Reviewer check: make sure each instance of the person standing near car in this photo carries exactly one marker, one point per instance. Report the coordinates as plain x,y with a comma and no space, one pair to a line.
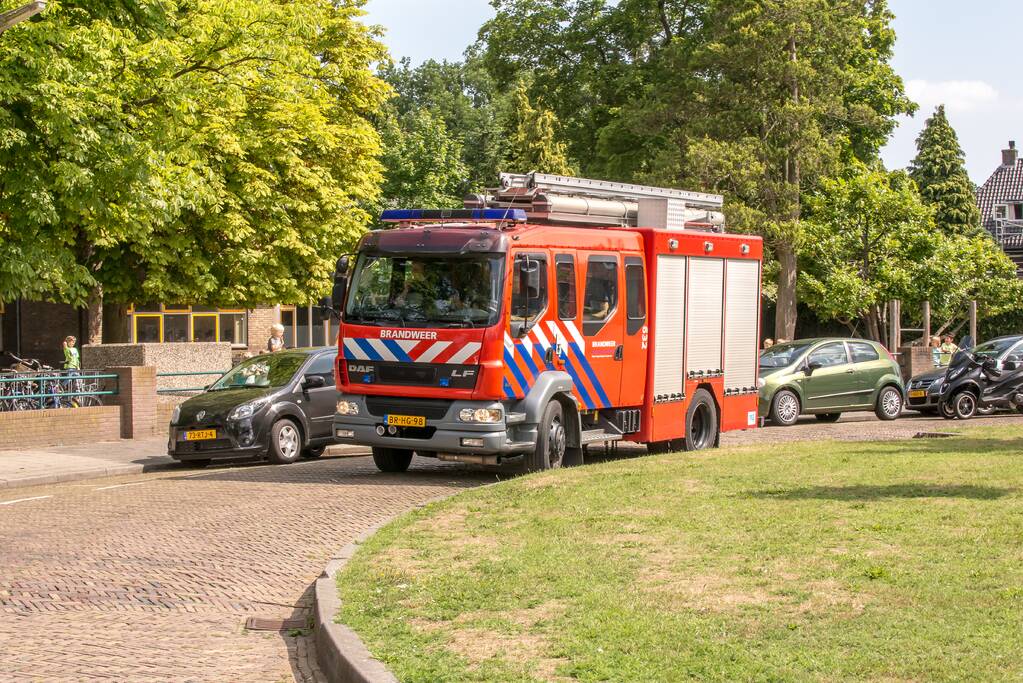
72,361
935,347
276,340
948,348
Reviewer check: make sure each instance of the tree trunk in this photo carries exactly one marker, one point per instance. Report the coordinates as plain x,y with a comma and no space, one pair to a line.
785,315
873,328
94,316
115,324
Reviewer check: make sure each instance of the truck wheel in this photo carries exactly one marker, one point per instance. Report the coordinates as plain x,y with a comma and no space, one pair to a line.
391,459
965,405
828,417
285,442
551,441
785,408
889,403
702,428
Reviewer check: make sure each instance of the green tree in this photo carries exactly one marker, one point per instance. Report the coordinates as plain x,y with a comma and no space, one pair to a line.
533,140
213,151
422,162
870,238
940,172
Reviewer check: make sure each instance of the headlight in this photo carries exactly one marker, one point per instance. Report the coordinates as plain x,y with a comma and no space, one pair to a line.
347,408
246,410
480,415
175,414
761,382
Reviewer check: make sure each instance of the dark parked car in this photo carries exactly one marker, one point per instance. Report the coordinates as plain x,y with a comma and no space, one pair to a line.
278,406
924,390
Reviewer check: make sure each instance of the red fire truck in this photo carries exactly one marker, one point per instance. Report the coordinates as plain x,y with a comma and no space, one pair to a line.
552,314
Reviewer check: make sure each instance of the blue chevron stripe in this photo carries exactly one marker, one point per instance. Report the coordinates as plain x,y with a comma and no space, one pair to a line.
528,358
592,375
513,366
508,391
365,346
398,352
579,384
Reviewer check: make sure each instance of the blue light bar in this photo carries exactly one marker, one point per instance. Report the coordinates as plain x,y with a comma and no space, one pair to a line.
405,215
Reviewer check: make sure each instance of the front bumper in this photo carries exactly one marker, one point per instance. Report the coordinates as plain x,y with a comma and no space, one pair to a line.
441,435
229,443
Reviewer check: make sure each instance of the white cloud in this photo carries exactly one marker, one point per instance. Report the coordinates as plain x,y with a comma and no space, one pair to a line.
957,96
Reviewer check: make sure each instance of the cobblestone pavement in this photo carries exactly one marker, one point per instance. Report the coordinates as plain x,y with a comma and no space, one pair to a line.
151,577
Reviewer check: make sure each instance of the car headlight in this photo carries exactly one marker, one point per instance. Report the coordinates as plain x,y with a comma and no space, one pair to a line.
175,414
246,410
761,382
480,415
347,408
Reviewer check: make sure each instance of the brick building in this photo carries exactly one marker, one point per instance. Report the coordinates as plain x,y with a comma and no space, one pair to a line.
1001,205
35,329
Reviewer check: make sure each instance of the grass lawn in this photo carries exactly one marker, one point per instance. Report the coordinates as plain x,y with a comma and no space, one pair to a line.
881,561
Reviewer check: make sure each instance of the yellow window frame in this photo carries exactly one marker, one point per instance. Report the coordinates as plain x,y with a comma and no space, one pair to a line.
135,325
216,324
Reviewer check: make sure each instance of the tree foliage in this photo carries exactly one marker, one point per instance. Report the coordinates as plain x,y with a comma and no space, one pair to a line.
185,150
532,139
939,170
871,239
422,162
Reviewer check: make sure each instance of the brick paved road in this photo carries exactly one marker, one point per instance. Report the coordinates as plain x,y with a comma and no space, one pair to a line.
151,577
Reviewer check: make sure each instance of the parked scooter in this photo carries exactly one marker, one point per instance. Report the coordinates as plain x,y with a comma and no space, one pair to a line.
974,383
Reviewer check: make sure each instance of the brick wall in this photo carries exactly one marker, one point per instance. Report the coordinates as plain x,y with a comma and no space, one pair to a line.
260,320
59,427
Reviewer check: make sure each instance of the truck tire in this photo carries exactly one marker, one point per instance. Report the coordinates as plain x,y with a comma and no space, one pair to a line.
391,459
285,442
551,442
702,427
785,408
889,403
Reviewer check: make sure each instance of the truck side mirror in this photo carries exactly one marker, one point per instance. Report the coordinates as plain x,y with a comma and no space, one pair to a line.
340,289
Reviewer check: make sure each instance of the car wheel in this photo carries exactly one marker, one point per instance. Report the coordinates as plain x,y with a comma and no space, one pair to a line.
785,408
986,410
285,442
551,441
965,405
947,411
889,403
828,417
391,459
313,452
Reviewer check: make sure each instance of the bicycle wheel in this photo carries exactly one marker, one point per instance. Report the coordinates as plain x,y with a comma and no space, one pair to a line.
87,401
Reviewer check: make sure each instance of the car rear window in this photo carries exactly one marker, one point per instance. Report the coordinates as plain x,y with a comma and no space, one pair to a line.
863,352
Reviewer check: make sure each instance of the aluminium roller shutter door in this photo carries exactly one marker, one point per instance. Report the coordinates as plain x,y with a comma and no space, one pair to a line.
669,328
706,297
742,322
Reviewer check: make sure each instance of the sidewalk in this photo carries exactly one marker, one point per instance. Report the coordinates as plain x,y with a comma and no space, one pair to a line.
36,466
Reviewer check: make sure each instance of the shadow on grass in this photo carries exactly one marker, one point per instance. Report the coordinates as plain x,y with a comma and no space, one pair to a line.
867,492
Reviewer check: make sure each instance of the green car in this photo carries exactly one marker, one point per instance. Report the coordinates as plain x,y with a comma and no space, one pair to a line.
827,377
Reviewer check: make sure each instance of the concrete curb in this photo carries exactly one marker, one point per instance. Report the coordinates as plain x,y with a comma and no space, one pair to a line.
98,473
341,654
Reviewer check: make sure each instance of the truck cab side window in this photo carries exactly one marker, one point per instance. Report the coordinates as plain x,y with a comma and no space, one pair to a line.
635,295
529,288
601,297
565,272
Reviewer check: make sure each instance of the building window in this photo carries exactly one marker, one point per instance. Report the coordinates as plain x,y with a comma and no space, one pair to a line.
1001,211
153,324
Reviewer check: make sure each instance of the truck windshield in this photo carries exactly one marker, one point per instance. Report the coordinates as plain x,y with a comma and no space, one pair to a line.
425,291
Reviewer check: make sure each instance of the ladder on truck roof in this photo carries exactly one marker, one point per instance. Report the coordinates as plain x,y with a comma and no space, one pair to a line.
581,201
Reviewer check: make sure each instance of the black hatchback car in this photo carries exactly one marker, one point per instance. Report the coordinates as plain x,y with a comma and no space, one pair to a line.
277,406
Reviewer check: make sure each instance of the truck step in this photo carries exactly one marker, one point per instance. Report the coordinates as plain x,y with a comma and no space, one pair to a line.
515,418
589,436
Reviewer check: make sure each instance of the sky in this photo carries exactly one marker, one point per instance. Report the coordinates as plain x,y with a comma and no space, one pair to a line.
959,53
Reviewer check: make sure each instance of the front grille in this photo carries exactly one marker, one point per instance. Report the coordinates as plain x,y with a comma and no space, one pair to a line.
419,374
430,408
921,383
199,446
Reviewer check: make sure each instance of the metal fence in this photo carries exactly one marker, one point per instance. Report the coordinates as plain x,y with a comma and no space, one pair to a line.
188,390
42,389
